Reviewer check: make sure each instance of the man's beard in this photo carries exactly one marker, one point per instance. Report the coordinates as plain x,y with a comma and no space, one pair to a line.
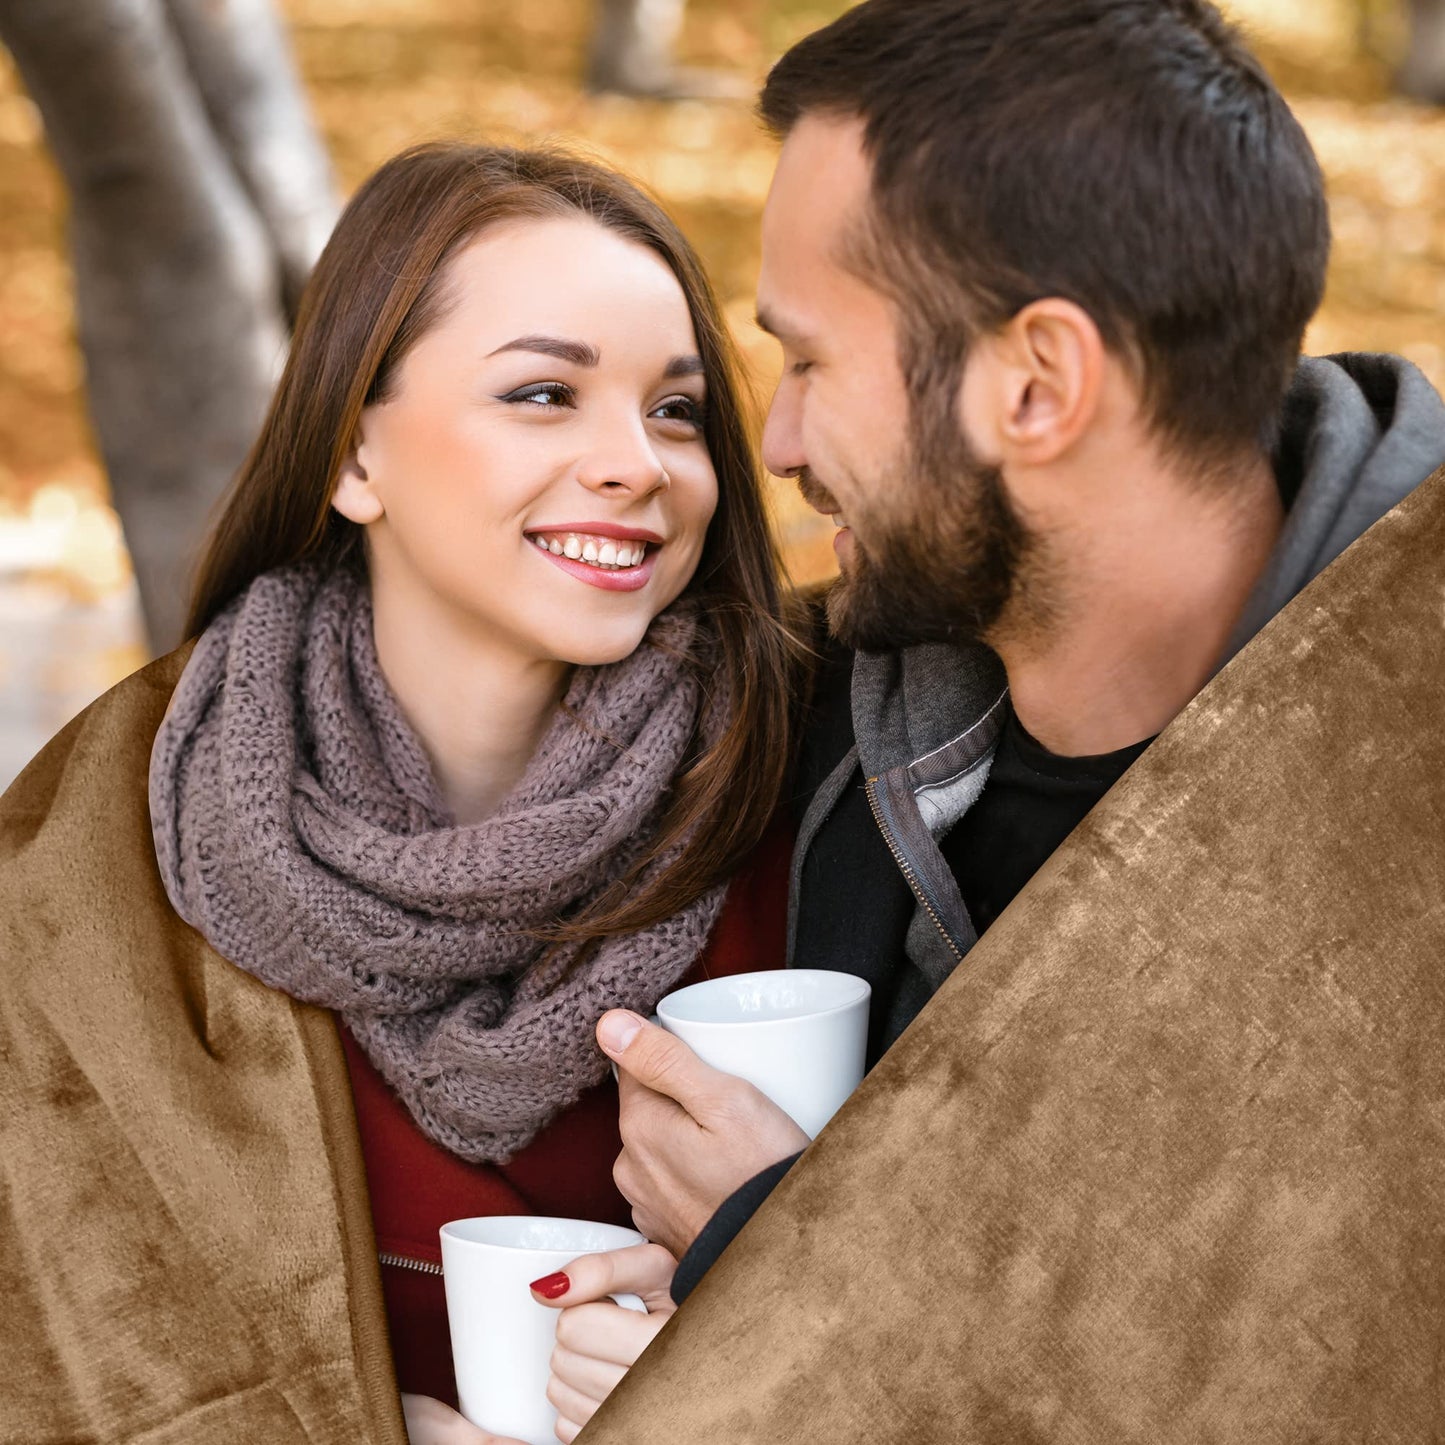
944,560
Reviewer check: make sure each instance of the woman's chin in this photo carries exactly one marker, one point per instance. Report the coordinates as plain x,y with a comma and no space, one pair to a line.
598,649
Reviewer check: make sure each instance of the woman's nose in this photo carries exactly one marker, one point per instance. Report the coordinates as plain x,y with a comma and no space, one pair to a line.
621,459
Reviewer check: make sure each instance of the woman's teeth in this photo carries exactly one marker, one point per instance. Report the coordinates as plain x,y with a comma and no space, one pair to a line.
601,552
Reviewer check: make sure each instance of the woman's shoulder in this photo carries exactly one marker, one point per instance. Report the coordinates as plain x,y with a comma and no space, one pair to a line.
81,765
75,836
751,931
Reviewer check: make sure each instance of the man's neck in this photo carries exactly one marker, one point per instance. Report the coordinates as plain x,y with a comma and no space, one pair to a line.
1144,611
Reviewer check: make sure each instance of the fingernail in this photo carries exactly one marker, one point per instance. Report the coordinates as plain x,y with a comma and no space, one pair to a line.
551,1286
617,1030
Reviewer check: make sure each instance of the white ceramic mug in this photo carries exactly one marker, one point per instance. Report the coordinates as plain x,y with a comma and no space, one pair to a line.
502,1339
798,1034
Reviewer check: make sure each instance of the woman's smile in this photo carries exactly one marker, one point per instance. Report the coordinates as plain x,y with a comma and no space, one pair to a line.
615,559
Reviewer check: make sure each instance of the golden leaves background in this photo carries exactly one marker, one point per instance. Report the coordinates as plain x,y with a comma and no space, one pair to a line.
384,73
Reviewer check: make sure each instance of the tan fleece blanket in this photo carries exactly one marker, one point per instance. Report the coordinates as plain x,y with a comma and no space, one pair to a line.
1164,1161
185,1241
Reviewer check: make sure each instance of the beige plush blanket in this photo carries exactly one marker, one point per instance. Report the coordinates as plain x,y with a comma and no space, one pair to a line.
186,1251
1164,1161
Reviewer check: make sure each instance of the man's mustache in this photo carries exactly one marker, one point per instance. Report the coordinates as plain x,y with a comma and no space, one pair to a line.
815,494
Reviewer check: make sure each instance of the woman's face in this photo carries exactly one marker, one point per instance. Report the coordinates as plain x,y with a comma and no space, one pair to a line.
537,476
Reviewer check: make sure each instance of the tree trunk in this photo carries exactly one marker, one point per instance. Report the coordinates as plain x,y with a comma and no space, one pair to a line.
632,46
238,56
178,284
1423,73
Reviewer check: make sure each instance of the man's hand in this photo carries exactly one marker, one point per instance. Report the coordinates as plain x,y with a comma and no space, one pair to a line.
690,1134
598,1340
429,1422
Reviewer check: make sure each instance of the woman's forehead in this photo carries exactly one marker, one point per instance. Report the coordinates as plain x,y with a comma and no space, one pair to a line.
569,277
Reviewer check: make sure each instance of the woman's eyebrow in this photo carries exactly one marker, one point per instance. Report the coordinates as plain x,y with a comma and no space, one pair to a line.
684,366
579,353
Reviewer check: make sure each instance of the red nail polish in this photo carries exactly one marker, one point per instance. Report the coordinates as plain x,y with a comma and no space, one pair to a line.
551,1286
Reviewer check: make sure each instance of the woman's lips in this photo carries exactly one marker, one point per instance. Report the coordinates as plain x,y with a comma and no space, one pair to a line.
609,556
600,529
622,579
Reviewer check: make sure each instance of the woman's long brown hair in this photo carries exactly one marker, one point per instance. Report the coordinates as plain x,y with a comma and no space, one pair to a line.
376,289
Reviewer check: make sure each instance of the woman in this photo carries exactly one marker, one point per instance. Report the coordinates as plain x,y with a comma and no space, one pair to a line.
489,702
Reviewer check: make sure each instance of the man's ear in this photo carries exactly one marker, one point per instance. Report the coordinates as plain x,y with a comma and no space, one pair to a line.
356,497
1031,389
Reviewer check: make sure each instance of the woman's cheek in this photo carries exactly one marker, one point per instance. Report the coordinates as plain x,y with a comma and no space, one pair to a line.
684,568
701,508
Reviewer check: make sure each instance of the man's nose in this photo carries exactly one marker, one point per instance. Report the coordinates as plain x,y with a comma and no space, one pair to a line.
621,459
783,453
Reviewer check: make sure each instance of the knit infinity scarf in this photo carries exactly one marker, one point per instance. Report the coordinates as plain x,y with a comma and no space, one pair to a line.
298,827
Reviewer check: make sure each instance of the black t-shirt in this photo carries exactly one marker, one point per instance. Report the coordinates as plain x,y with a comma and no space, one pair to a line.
1032,801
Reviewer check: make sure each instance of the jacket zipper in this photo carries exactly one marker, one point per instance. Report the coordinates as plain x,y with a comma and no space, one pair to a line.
402,1261
871,789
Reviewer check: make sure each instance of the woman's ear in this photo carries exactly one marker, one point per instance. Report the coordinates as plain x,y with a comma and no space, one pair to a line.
356,497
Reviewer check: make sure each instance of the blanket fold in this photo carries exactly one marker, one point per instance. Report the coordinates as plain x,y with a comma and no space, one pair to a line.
186,1250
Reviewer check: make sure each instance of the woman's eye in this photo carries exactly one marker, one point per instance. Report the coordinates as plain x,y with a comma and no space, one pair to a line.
801,368
546,395
680,408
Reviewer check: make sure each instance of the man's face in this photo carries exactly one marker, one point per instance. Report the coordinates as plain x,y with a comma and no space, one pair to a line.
928,547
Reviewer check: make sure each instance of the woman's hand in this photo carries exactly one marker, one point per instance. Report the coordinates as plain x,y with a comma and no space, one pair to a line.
597,1340
429,1422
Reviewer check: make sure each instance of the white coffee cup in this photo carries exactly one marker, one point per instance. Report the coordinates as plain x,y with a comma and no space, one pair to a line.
502,1339
798,1034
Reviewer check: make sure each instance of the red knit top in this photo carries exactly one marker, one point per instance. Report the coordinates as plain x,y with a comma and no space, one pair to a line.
417,1186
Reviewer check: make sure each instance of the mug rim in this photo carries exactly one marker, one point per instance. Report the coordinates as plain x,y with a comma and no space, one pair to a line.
448,1231
863,995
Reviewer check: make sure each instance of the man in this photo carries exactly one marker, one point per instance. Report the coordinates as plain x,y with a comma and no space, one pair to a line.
1041,271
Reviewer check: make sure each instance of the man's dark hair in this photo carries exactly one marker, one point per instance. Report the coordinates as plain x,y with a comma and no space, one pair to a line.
1128,155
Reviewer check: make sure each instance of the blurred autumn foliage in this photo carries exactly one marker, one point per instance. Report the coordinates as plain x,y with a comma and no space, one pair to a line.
384,73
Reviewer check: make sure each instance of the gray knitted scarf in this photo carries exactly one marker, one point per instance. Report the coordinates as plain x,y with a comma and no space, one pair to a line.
299,828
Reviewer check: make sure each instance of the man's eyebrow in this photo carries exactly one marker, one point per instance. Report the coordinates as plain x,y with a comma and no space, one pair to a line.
579,353
776,326
684,366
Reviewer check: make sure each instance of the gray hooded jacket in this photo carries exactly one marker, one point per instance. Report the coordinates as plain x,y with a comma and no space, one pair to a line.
1360,433
900,743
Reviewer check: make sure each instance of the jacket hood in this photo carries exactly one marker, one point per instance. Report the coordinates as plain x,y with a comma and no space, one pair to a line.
1360,432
